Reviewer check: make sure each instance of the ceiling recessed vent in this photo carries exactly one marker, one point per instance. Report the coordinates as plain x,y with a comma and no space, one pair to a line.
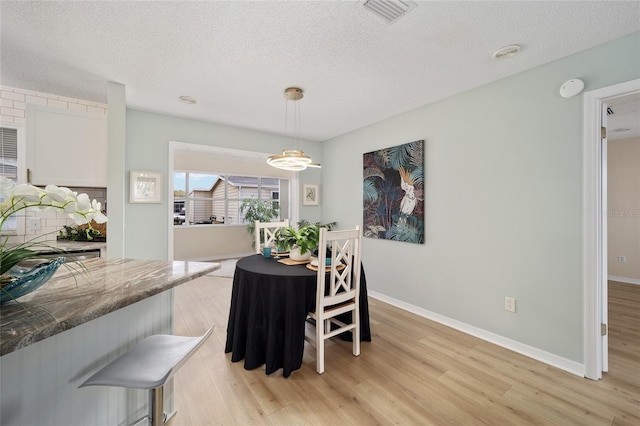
189,100
507,51
389,10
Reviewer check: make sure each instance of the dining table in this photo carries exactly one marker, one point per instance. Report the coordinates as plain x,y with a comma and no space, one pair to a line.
270,301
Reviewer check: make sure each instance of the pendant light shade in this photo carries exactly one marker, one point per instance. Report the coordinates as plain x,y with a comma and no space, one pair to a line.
292,159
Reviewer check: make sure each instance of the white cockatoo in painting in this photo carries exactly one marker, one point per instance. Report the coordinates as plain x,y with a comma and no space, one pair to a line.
408,203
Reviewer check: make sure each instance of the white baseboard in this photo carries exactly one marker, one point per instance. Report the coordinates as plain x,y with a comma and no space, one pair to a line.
530,351
624,279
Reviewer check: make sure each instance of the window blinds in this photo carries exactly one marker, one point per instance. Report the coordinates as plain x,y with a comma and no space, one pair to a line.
9,153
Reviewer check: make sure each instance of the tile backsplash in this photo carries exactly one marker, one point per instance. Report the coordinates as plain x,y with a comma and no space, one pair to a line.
51,221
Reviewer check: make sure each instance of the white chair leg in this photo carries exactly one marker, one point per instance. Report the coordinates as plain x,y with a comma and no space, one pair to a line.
319,346
356,333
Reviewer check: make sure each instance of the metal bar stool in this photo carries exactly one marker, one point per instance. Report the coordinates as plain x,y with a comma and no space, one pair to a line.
149,364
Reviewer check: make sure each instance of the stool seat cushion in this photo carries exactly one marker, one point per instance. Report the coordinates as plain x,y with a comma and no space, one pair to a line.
149,363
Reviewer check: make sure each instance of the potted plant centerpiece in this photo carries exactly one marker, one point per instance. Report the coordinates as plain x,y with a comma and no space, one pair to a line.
301,242
16,280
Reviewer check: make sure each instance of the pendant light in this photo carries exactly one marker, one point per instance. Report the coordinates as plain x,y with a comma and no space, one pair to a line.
292,159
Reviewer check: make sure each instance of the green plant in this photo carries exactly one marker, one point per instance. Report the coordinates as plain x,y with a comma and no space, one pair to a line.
253,209
78,233
307,236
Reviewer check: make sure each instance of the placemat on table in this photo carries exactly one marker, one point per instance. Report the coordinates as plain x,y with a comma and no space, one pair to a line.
290,262
327,268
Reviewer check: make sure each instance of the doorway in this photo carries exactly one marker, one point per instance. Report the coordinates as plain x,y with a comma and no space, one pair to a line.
595,271
623,238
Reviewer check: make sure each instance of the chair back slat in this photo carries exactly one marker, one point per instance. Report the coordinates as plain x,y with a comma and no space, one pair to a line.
268,232
344,251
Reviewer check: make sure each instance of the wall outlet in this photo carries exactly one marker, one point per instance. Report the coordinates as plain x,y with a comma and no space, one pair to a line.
510,304
622,259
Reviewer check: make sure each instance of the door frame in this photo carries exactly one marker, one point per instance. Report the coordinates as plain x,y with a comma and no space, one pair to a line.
594,229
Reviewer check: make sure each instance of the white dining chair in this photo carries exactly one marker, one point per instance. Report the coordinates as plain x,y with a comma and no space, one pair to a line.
342,293
268,231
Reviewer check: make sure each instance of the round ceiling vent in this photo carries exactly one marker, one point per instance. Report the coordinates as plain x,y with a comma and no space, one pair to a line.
507,51
189,100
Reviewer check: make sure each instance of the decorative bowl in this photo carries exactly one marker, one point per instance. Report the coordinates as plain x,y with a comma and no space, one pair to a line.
25,280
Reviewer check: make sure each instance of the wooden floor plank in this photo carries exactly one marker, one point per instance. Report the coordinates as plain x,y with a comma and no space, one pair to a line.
415,371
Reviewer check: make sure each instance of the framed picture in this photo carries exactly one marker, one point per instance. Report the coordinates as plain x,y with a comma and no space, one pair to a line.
145,187
310,195
393,193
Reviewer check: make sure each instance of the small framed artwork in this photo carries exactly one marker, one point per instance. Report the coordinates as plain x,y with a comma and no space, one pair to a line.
310,195
145,187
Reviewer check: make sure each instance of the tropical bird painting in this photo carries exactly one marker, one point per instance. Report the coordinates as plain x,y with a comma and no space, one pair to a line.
409,201
393,193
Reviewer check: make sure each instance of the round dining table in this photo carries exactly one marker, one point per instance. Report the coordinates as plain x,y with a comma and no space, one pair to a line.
269,306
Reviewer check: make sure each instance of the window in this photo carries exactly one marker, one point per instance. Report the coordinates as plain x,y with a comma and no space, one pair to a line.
11,165
202,198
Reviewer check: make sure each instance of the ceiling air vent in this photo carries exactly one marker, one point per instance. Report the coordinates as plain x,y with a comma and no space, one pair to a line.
389,10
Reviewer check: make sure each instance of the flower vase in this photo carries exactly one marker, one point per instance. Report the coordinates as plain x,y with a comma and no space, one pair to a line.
18,280
295,254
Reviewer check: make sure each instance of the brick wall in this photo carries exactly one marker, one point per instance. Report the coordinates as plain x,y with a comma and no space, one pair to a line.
14,101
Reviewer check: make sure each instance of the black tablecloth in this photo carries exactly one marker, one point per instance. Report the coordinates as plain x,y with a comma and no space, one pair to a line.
269,306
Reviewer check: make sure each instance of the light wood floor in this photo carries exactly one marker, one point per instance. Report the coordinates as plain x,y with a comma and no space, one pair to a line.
414,372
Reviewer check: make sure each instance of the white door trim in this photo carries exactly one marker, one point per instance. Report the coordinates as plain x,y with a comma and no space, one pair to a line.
594,236
292,177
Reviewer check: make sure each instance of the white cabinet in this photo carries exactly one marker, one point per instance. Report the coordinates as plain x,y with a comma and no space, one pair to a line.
66,148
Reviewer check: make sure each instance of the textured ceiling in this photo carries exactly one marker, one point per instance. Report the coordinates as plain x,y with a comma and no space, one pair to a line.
237,57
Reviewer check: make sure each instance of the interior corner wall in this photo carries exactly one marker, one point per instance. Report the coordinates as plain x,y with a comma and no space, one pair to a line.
147,148
623,209
503,201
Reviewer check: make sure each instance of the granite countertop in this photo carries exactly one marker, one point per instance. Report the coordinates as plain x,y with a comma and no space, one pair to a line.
71,299
67,245
72,246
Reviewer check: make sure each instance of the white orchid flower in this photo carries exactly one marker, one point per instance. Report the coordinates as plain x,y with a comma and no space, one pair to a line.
6,185
56,194
23,196
79,218
84,203
99,217
83,212
14,198
27,193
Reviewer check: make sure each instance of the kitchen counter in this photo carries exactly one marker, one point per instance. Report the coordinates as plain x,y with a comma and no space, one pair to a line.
68,245
72,246
70,299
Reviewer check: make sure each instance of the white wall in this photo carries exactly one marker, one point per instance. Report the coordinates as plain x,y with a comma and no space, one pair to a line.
147,141
503,201
623,157
211,242
503,197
